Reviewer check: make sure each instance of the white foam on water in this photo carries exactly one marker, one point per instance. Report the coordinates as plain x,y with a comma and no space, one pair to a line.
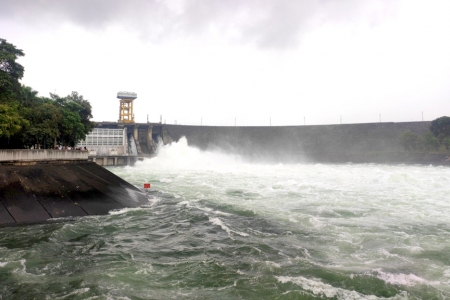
272,264
386,253
221,213
403,279
240,233
322,289
218,222
123,211
179,155
166,180
113,298
76,292
22,264
447,273
145,269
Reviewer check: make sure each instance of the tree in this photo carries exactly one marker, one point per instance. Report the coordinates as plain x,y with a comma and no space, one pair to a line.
84,110
76,113
10,120
440,127
10,70
28,96
27,119
44,125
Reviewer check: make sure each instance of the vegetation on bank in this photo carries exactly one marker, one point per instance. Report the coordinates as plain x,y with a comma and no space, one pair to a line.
30,121
437,138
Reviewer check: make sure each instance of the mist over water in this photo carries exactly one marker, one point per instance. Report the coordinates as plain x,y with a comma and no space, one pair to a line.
219,227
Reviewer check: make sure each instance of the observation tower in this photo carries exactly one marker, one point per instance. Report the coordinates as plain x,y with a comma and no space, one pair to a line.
126,106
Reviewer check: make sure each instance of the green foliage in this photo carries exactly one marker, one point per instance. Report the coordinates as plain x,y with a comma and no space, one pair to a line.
27,119
409,141
428,142
44,120
440,127
77,113
431,142
10,70
10,120
446,143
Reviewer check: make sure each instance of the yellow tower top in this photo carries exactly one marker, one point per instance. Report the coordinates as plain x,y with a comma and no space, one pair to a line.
126,106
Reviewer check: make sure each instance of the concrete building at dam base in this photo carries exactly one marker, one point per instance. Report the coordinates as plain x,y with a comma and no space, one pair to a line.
123,142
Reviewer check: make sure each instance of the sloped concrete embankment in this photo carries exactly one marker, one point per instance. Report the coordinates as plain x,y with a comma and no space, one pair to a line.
359,143
42,191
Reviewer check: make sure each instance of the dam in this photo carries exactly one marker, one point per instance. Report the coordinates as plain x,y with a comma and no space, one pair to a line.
124,142
355,143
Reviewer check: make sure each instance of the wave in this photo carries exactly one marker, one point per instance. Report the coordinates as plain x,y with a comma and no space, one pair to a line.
179,155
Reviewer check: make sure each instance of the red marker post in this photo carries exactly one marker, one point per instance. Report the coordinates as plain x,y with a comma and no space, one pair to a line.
146,186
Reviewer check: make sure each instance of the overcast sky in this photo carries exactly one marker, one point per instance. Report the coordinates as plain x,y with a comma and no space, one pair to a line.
313,61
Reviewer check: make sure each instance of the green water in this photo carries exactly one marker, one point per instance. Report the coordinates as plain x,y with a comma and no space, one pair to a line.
218,228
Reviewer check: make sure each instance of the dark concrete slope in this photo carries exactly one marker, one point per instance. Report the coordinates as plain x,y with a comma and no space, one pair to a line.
321,143
40,192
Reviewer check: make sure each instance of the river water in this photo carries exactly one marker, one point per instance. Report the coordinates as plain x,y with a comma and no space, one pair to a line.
221,228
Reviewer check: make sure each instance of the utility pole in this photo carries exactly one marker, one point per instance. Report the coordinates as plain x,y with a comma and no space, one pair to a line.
147,118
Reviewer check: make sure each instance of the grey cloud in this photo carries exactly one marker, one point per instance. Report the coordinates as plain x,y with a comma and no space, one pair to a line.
266,23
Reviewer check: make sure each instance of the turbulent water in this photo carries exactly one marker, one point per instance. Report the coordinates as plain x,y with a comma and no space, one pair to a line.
220,228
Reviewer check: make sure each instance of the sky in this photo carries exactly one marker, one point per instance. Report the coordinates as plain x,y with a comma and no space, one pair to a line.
243,62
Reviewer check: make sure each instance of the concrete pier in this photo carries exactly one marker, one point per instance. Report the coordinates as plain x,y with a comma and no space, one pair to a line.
117,160
39,185
17,156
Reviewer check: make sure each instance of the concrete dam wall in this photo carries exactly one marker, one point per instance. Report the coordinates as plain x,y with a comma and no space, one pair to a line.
371,142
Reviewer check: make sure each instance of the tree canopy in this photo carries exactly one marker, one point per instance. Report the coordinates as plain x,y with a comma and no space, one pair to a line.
27,120
10,70
440,127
